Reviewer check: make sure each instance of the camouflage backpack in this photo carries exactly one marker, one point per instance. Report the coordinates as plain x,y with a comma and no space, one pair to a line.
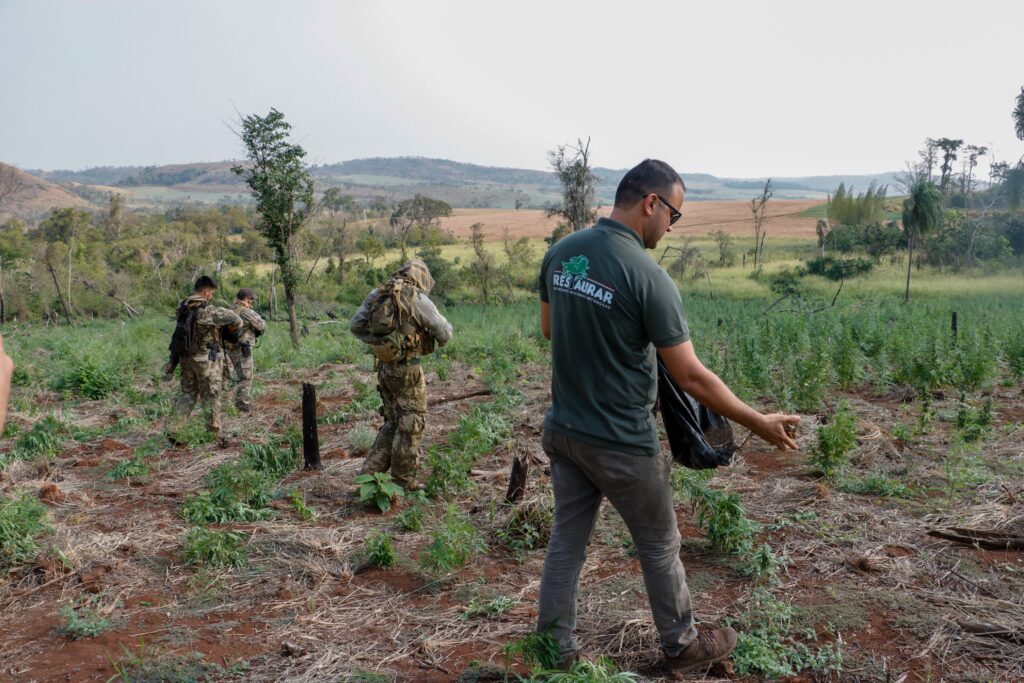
185,339
391,320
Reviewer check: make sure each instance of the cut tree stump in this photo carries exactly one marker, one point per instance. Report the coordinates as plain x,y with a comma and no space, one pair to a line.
310,437
517,480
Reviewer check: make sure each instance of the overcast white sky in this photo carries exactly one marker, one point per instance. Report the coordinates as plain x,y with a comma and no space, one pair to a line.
734,89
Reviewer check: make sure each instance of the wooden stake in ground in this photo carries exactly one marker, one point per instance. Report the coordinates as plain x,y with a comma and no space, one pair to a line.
310,438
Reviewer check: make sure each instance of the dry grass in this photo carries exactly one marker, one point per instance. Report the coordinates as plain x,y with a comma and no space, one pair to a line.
862,566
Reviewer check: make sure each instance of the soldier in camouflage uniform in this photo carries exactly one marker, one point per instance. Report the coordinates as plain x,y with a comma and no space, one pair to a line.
403,391
239,355
202,371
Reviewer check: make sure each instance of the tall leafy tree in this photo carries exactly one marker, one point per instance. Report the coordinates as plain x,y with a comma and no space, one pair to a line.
922,214
283,190
418,212
63,225
337,205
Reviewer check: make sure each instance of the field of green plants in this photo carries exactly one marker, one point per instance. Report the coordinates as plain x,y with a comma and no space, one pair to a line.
124,558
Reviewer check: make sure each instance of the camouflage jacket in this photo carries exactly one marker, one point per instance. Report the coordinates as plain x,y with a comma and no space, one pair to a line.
208,322
252,323
433,327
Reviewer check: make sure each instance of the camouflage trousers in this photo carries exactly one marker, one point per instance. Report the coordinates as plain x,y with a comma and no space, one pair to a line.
403,393
201,380
242,368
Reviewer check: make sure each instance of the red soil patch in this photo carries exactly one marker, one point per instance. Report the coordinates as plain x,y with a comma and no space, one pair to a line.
51,494
395,579
111,446
732,217
769,463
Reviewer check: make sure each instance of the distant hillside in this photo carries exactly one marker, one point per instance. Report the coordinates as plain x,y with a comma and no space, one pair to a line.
461,185
37,197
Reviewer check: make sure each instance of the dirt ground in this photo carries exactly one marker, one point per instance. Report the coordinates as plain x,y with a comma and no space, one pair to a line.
699,218
861,567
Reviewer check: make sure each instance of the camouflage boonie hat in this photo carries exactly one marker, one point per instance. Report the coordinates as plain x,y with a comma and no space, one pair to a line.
245,293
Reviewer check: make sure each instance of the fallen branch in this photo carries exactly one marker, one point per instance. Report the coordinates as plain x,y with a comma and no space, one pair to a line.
990,540
12,598
984,628
452,399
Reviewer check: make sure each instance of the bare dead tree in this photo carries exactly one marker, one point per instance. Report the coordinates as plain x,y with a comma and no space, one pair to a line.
48,260
10,182
822,229
758,207
112,293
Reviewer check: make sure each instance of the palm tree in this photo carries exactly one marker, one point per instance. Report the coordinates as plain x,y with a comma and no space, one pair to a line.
922,213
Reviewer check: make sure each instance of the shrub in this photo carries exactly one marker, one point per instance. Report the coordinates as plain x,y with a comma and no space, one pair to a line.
22,520
601,671
454,542
217,548
973,423
528,526
411,518
43,440
234,493
131,468
90,378
839,269
377,488
767,645
83,622
835,441
491,608
361,438
721,513
299,505
875,485
379,550
194,434
536,649
276,462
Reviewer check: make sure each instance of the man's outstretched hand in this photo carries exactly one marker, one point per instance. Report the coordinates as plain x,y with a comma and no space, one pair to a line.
778,429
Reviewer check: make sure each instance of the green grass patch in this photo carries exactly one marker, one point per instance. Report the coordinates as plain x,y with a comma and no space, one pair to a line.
454,541
215,548
769,643
23,519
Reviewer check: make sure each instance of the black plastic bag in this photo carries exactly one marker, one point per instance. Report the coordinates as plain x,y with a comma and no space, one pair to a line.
699,438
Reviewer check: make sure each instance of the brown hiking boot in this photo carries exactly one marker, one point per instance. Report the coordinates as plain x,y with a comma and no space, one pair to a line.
708,647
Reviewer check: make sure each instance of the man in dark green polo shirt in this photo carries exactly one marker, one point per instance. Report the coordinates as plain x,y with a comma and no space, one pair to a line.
609,311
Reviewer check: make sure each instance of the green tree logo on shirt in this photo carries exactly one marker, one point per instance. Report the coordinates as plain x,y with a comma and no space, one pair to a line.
577,266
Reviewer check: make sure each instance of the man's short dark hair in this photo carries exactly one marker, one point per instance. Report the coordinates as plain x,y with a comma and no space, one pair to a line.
205,282
650,175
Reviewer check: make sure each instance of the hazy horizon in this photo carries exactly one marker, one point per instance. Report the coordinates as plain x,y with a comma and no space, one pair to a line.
787,90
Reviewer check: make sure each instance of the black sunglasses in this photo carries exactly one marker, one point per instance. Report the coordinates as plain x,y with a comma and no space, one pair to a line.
675,214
